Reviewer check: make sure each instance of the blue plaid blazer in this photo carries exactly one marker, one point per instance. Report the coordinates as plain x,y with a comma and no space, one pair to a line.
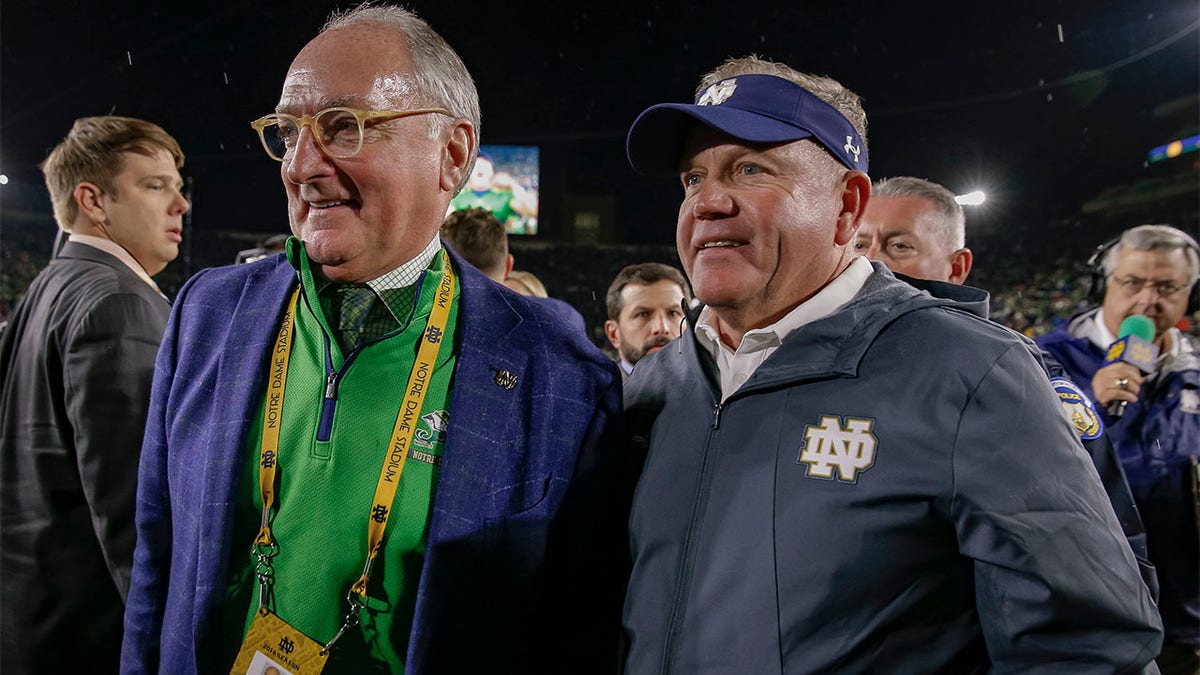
528,545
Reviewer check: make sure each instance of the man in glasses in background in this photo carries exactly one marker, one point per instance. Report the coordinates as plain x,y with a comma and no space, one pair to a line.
362,453
76,365
1151,270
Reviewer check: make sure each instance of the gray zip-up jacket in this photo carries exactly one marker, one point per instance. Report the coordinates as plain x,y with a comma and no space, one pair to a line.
895,490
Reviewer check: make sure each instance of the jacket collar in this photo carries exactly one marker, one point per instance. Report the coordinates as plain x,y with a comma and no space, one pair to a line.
836,344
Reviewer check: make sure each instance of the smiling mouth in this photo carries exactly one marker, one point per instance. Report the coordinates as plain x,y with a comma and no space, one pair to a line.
328,205
722,244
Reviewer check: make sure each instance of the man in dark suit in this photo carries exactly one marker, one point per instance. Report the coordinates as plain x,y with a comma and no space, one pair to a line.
366,361
77,361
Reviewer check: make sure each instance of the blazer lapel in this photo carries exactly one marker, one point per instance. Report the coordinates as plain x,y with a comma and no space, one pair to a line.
487,396
486,399
241,366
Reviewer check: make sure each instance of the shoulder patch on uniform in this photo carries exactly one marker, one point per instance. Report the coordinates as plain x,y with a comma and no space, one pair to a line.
1078,409
1189,401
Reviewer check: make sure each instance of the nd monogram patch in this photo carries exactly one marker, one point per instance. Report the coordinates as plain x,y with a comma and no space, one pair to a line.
718,93
831,446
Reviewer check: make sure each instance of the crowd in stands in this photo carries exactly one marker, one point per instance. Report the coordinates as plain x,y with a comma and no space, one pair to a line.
1031,293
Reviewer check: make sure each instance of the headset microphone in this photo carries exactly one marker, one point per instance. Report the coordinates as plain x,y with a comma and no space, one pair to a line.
1135,346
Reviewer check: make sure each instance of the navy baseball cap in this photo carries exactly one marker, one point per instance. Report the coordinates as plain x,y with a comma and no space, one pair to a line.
752,108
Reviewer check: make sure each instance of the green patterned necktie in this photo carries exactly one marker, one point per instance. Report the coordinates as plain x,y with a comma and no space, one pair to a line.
354,304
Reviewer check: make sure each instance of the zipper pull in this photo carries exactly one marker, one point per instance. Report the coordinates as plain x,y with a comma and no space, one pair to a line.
331,385
717,408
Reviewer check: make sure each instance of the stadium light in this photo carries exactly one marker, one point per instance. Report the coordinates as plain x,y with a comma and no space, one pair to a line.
971,198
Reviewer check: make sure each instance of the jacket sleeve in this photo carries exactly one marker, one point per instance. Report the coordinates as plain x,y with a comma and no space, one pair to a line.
1055,581
152,555
108,365
1112,479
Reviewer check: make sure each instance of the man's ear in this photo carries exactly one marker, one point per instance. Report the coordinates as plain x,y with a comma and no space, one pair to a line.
459,151
89,198
960,265
508,264
855,191
610,330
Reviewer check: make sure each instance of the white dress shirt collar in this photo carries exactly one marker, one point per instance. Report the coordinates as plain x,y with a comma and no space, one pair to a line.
117,251
736,366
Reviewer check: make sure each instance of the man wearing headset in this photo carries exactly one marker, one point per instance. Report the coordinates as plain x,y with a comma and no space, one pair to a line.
1151,270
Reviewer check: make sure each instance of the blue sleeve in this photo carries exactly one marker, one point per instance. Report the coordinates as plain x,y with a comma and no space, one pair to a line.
152,555
1056,584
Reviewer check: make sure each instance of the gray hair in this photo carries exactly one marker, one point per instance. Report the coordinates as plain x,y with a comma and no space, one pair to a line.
1156,238
441,76
952,226
827,89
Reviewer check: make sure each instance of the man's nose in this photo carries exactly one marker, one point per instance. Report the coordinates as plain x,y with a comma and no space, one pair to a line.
713,200
179,205
660,324
307,160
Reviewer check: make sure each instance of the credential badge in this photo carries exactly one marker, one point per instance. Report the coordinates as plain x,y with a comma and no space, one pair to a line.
716,94
1078,408
831,446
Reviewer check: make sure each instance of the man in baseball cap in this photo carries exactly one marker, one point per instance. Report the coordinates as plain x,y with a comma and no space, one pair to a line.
845,473
755,109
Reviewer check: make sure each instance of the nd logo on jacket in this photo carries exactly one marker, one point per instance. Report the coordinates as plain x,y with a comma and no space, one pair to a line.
830,446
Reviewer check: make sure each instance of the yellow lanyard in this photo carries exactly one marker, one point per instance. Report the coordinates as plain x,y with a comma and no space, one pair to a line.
402,432
269,453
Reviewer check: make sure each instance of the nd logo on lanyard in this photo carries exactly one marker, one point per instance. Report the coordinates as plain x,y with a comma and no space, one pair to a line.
270,641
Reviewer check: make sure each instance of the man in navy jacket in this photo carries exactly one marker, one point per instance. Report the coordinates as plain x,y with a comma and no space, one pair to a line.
845,474
1150,271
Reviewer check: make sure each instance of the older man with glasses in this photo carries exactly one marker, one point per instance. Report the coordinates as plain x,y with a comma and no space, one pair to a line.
1153,416
362,456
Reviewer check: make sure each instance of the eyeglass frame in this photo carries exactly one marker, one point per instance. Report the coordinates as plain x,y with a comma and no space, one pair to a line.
1164,289
360,116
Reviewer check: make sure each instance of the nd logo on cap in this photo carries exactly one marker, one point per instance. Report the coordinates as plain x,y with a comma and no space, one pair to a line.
717,94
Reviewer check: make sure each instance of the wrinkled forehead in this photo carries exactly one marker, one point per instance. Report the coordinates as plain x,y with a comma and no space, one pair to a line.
701,138
364,66
1158,264
648,293
904,213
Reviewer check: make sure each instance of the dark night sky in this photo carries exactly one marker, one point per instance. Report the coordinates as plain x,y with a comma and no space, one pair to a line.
968,94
